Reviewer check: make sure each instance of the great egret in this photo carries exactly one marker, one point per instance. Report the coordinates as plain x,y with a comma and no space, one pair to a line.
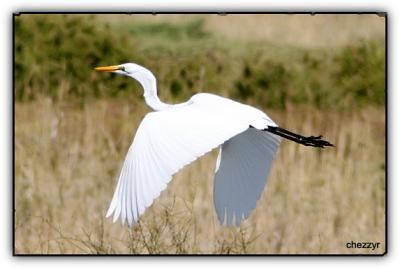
175,135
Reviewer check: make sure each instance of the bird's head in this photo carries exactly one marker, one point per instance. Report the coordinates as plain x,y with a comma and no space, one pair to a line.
135,71
128,69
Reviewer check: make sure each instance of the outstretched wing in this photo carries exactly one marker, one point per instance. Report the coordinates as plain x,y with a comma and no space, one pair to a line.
164,143
242,169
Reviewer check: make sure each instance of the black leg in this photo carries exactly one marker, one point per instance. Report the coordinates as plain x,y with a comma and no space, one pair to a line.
313,141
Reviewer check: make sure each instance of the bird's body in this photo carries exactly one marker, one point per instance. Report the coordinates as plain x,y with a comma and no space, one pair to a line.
175,135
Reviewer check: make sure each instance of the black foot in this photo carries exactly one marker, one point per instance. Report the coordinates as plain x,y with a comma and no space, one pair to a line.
312,141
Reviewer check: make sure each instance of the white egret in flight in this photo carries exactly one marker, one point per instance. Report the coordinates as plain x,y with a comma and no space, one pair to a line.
175,135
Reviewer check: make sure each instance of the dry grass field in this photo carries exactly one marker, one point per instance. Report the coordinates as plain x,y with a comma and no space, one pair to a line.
68,158
313,75
321,30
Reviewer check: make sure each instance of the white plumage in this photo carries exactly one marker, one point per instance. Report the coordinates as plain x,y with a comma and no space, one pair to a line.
176,135
168,140
241,176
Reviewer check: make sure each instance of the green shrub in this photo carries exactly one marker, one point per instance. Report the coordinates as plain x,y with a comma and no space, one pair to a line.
55,56
352,76
266,82
361,73
192,30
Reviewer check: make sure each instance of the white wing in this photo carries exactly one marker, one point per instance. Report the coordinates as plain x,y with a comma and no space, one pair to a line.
164,143
242,169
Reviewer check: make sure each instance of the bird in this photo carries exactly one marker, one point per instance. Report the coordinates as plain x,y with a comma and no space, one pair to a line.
174,135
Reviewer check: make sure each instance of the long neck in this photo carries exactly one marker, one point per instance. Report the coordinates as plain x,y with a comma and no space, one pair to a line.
149,84
154,102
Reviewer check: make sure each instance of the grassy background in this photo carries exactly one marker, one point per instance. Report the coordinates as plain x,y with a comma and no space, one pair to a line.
311,74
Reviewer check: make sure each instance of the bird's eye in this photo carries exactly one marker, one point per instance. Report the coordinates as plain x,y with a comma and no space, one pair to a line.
122,68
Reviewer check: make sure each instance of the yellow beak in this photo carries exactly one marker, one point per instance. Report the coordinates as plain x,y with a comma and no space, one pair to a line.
107,68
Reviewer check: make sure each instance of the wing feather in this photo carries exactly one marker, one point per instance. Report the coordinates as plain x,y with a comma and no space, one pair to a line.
245,161
165,142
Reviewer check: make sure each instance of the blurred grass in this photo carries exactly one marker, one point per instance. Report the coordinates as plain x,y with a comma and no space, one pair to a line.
68,157
73,127
186,58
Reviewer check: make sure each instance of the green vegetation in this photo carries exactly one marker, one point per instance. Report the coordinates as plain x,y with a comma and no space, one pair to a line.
73,127
352,76
55,56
